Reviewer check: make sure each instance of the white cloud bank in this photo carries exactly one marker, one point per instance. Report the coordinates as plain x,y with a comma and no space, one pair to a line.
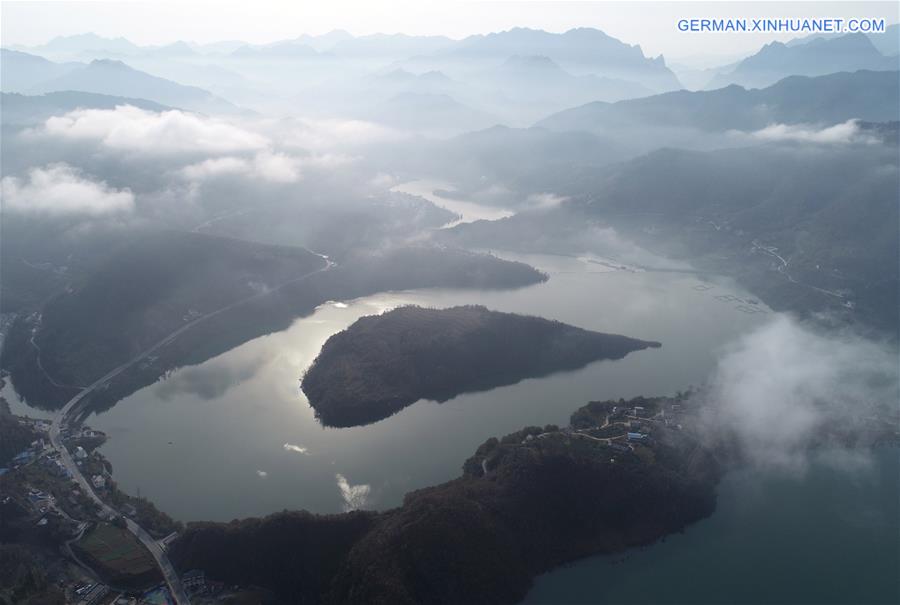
780,385
332,133
848,132
59,189
266,166
129,128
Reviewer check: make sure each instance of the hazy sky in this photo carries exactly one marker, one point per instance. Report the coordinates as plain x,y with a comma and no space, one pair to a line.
650,24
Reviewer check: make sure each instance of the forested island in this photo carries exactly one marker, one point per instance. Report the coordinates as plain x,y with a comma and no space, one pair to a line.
526,503
383,363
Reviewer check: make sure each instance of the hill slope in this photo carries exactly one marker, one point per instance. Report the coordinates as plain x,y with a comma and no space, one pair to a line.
815,58
24,110
865,95
829,211
22,71
533,500
110,77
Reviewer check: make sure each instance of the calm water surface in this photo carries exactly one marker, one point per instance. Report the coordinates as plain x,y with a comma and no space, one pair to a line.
829,535
235,436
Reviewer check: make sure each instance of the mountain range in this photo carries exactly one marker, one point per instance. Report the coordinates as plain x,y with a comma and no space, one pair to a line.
829,99
24,110
24,73
816,57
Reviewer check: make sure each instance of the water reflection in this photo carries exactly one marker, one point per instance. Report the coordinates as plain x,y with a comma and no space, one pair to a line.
209,381
220,442
290,447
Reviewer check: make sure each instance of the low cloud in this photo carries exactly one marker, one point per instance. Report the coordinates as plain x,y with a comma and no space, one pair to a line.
129,128
290,447
265,166
848,132
355,496
383,180
262,474
329,134
269,166
545,200
781,388
60,189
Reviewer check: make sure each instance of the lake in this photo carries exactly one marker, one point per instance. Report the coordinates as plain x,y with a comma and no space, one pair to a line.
467,211
235,437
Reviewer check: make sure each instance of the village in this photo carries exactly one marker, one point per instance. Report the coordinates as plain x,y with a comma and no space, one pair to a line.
88,556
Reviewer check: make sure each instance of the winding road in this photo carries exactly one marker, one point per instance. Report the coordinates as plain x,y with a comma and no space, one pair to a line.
62,417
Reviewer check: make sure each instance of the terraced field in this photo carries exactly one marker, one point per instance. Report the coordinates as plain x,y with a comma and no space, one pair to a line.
116,550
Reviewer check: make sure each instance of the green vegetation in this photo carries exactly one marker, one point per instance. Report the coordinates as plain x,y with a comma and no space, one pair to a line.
146,290
122,559
358,275
809,231
157,523
548,497
160,283
149,289
295,553
23,578
383,363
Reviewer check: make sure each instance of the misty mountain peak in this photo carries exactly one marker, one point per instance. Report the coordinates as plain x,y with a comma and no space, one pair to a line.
90,42
109,64
819,56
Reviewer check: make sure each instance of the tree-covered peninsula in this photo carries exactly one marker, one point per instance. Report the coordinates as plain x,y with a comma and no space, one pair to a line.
383,363
525,503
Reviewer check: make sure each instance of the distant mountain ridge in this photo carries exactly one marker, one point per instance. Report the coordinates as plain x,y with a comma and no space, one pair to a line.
531,73
586,48
279,50
867,95
112,77
19,71
23,110
817,57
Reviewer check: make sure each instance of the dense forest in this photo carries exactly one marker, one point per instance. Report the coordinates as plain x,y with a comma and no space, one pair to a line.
83,334
526,503
807,232
23,578
383,363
